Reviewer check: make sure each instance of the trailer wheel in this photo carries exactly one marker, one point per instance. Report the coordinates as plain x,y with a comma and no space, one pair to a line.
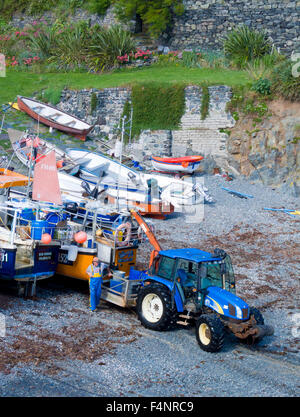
210,333
154,307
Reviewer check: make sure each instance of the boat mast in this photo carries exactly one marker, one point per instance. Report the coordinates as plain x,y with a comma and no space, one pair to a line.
120,159
30,169
13,227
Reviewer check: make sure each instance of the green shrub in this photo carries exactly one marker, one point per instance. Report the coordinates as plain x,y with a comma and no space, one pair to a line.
284,83
243,45
98,6
262,86
156,14
251,107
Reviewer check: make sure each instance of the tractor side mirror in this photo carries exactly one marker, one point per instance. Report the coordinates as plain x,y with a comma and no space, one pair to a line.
223,268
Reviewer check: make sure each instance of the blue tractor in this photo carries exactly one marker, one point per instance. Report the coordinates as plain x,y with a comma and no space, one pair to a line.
184,285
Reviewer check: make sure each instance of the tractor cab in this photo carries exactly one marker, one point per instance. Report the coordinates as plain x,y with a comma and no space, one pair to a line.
194,270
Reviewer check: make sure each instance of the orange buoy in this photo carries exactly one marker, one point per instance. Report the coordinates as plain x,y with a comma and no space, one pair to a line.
80,237
46,238
59,164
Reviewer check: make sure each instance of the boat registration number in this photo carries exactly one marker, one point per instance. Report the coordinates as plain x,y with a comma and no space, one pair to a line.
3,256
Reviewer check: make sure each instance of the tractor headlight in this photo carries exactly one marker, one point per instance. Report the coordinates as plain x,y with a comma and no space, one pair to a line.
238,312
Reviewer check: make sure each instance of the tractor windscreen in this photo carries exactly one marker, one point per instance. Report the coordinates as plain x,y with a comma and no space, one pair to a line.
214,275
165,268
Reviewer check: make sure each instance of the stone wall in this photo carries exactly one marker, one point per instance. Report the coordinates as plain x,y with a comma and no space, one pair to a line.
22,19
204,22
107,112
197,136
194,136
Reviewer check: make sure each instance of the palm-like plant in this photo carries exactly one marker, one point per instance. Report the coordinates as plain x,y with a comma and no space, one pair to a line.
242,45
107,45
71,47
44,41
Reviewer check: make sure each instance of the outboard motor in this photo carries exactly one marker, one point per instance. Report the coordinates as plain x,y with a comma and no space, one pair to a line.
86,187
94,193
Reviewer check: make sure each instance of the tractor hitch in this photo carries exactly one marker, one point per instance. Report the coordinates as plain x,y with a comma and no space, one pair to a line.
250,330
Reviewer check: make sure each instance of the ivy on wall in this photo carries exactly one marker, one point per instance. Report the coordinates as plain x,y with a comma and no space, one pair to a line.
204,102
156,107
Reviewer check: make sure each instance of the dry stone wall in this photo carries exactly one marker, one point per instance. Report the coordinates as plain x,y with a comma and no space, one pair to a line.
109,105
204,22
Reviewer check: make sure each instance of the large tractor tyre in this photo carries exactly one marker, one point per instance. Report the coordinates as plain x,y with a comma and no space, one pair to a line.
154,307
257,315
210,333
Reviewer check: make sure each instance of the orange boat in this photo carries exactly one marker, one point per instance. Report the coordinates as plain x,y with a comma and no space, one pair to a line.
157,210
186,164
11,179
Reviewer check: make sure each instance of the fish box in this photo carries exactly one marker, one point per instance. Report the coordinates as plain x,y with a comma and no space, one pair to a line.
116,285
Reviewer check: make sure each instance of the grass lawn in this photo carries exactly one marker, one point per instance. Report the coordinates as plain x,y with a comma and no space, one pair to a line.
26,83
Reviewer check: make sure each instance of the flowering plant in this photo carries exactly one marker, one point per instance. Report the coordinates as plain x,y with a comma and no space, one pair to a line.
139,54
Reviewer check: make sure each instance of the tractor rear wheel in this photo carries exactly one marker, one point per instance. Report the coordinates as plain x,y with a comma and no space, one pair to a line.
210,333
154,307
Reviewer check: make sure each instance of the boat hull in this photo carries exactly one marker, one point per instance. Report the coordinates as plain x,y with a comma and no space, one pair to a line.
175,166
157,210
124,259
80,133
45,258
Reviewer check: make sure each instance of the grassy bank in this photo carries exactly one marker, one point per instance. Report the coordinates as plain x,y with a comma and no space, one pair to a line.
26,83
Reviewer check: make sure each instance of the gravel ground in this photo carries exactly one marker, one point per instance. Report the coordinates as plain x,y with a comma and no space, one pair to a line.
55,347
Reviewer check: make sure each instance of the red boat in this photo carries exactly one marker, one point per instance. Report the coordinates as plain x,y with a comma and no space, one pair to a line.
187,164
55,118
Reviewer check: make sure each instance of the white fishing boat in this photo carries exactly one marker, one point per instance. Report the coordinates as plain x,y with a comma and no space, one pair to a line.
122,181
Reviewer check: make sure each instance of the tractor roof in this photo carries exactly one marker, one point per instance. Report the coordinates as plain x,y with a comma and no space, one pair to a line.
190,254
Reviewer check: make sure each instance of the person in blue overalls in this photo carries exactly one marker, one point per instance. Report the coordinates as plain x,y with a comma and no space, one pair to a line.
95,273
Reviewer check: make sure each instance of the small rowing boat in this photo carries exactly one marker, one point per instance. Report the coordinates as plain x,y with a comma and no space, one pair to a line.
24,145
186,164
53,117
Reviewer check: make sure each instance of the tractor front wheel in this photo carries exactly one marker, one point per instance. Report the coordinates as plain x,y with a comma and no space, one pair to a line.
257,315
154,307
210,333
